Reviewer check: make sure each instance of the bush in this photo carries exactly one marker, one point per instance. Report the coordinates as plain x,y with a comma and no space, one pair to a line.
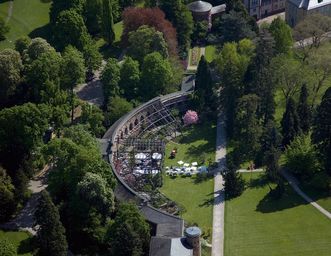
301,157
7,248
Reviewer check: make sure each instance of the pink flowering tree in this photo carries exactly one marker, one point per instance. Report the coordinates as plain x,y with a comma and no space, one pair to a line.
190,117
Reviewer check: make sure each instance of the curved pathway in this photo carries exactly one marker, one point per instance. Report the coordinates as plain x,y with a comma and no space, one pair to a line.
294,183
219,196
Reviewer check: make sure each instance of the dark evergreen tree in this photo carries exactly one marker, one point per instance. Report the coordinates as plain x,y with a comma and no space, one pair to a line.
203,84
258,76
290,122
271,160
51,233
304,110
7,198
108,22
322,130
234,184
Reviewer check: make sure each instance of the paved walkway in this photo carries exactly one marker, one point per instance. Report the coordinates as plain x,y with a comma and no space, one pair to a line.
25,219
10,11
294,183
218,211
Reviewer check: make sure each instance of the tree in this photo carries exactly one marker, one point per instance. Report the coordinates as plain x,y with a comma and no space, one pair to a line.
313,26
203,84
116,108
156,76
10,74
22,44
36,48
322,131
304,111
61,5
133,18
7,248
73,72
233,183
190,117
234,27
289,75
130,78
272,167
127,3
146,40
95,191
51,233
258,76
301,156
93,16
107,21
7,198
180,16
282,35
70,30
110,79
129,227
248,129
4,29
232,63
93,117
92,56
290,122
199,31
21,131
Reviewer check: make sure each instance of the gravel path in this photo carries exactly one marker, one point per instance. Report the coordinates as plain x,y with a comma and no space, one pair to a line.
10,11
219,196
294,183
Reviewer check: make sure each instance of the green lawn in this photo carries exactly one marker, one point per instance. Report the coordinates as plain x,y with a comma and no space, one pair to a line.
21,241
28,16
194,195
196,143
256,225
210,53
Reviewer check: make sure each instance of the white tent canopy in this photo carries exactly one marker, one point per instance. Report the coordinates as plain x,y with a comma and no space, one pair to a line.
157,156
140,156
180,162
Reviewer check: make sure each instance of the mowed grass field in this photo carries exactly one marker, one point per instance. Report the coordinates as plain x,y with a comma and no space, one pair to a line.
27,16
20,240
256,225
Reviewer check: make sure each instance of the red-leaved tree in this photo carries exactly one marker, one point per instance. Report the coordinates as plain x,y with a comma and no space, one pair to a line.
134,17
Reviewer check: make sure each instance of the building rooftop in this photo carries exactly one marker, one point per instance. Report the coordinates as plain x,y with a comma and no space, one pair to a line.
310,4
199,6
218,9
163,246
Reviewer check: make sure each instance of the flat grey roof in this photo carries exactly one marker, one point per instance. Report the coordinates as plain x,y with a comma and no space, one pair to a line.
163,246
309,4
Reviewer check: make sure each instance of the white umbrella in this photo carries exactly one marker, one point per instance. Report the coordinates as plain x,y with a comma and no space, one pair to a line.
194,163
180,162
186,164
140,156
156,156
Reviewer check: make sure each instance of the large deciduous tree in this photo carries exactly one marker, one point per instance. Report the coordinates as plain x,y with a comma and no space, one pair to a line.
156,76
51,233
133,18
116,108
146,40
10,74
130,78
7,198
110,79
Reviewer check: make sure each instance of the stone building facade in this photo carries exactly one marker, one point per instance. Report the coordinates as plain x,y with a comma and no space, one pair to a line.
296,10
262,8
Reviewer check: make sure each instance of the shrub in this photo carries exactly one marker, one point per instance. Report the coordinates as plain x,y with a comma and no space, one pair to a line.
190,117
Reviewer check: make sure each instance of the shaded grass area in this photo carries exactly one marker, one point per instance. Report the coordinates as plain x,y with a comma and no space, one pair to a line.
30,17
21,241
195,197
196,143
113,51
256,224
210,53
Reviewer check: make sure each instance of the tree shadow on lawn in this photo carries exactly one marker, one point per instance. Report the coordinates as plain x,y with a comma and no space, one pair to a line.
212,199
196,151
199,132
43,32
26,245
288,200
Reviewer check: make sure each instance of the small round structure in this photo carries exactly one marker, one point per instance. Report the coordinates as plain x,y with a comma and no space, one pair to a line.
200,10
193,239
